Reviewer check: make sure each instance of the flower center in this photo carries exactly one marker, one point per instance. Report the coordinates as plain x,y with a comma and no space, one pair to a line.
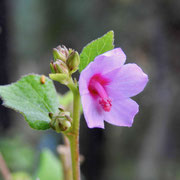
97,88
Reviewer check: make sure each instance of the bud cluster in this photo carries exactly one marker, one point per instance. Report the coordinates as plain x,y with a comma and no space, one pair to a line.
66,61
60,121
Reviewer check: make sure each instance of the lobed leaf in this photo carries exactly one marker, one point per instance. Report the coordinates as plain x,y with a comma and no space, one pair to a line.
95,48
32,98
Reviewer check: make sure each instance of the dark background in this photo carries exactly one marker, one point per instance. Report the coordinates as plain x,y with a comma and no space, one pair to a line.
149,34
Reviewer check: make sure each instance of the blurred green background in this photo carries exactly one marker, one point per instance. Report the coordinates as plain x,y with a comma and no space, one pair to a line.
149,34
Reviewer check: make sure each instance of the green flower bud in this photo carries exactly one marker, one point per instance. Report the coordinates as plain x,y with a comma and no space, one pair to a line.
62,67
61,53
61,108
73,61
66,124
51,115
59,67
61,121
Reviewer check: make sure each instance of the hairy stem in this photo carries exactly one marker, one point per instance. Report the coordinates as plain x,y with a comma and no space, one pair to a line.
73,136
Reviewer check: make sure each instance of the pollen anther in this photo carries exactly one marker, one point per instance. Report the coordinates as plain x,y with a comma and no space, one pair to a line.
106,104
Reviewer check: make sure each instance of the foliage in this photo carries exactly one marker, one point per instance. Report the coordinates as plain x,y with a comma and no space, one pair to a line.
95,48
35,99
31,98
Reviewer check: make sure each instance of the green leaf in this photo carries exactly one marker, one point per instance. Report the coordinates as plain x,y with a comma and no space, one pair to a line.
50,167
32,98
95,48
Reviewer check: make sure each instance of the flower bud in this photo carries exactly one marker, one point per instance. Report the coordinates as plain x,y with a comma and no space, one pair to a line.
51,115
66,124
61,108
61,121
73,61
61,53
59,67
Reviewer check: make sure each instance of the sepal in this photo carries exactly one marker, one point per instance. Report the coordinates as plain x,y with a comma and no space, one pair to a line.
62,78
60,52
73,62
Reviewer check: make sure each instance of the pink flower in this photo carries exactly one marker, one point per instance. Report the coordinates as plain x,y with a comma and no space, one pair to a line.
106,86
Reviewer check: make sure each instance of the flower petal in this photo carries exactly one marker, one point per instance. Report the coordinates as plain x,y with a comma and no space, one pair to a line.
102,64
92,112
84,79
122,112
109,61
127,81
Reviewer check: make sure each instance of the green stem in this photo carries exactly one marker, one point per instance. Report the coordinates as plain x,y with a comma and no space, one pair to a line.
74,136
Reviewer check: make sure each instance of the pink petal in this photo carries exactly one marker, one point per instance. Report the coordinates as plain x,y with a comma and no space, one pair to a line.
122,112
84,79
109,61
92,112
102,64
127,81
